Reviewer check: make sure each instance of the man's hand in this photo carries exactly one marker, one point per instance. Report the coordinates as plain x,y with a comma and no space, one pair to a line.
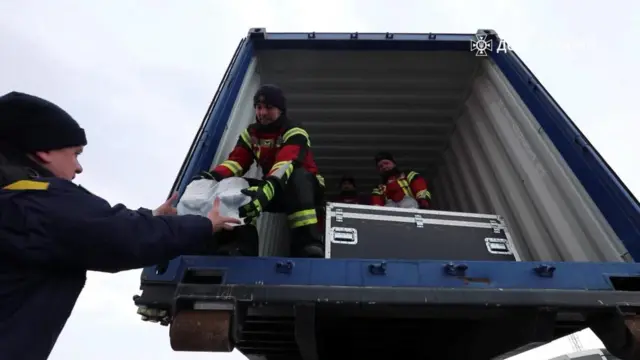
167,208
220,222
260,195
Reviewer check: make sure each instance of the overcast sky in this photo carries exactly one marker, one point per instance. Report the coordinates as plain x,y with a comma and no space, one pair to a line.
139,76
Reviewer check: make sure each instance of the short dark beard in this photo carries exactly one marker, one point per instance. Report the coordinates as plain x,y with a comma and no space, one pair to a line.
385,175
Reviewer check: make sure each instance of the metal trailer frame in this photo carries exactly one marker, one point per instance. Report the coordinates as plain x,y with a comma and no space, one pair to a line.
604,296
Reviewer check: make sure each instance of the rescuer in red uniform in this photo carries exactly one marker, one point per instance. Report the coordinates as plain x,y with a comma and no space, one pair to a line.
348,192
291,182
397,188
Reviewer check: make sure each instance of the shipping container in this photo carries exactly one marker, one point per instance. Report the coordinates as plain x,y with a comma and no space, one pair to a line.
464,111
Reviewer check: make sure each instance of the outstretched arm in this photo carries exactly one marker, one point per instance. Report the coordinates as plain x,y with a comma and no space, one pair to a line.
238,162
71,228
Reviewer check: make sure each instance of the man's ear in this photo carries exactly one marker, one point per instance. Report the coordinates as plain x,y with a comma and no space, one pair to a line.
43,157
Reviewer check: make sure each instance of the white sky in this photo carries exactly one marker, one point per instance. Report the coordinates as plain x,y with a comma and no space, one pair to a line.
139,76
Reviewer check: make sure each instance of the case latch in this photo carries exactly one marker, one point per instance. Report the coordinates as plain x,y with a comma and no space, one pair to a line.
496,226
419,221
338,215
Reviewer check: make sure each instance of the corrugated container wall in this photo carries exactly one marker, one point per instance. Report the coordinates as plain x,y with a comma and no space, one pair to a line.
501,162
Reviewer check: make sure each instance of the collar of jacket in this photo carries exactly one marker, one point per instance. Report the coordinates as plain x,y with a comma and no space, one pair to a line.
15,166
276,125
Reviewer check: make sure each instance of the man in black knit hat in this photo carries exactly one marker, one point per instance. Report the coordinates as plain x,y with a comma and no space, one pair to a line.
291,182
348,191
52,231
397,188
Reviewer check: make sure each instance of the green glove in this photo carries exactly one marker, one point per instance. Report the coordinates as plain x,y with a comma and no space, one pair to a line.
260,195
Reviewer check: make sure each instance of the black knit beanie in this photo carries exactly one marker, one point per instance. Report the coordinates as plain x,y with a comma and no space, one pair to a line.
270,95
29,124
383,155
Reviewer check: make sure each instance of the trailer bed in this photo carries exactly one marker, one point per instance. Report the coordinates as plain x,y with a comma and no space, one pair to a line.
328,300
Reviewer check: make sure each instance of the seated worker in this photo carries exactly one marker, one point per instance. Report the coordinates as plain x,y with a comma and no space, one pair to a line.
348,192
290,183
397,188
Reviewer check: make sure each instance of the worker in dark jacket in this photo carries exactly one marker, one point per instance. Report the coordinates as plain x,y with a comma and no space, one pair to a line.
291,182
348,192
52,231
397,188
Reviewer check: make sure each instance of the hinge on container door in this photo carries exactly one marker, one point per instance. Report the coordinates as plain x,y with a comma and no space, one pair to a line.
419,221
495,226
338,215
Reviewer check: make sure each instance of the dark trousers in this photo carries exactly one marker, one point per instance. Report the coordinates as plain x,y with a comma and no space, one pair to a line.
302,199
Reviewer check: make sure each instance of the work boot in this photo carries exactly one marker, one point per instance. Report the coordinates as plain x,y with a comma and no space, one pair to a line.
306,242
313,251
241,241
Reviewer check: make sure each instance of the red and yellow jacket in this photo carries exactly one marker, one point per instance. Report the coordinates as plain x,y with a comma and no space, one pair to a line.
278,148
397,187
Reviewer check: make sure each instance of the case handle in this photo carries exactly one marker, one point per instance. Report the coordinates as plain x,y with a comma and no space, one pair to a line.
498,246
346,236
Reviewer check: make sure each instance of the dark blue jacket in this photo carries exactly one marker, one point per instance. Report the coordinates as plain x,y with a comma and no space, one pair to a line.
51,232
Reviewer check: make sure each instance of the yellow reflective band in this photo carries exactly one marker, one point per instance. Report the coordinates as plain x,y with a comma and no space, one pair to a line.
302,218
279,164
301,223
246,138
423,194
289,170
301,213
376,192
296,131
269,191
282,169
27,185
234,166
404,185
258,206
320,180
411,175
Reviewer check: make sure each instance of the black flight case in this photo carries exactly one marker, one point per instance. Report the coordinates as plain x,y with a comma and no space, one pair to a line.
376,232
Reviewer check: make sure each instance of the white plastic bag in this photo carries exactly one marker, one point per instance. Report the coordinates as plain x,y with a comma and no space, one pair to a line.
406,203
199,195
